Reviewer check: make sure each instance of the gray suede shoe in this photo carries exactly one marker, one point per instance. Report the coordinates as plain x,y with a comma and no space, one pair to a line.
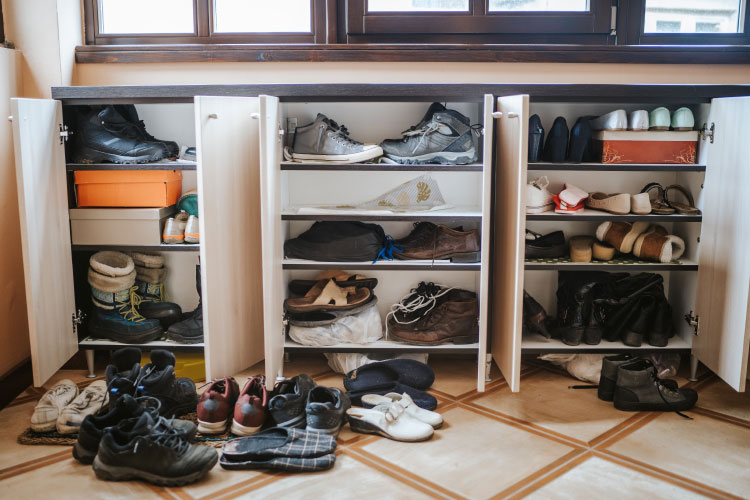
326,140
639,389
608,378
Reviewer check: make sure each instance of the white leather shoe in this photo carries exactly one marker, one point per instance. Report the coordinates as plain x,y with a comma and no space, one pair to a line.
89,402
538,197
393,423
382,403
616,120
638,120
48,408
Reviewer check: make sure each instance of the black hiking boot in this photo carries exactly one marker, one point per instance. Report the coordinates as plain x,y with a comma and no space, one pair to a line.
122,374
157,379
129,112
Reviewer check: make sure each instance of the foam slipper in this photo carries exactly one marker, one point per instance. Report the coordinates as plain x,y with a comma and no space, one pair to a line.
621,235
603,251
580,248
657,247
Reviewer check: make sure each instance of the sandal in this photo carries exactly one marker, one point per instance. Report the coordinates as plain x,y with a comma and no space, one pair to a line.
327,295
342,278
659,205
688,209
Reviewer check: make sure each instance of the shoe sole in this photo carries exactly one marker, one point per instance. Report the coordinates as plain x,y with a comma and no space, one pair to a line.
463,340
212,427
546,253
125,338
331,432
445,157
115,473
367,428
83,455
465,257
630,406
298,421
183,340
241,430
50,427
370,154
540,209
90,155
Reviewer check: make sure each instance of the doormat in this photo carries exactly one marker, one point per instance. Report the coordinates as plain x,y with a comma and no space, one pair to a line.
29,437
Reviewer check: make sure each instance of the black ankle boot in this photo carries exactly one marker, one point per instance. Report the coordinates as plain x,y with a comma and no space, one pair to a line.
608,377
190,329
534,316
556,147
638,388
536,138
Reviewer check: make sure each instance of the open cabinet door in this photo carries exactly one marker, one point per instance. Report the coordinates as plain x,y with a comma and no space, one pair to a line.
45,234
508,217
229,203
723,263
273,237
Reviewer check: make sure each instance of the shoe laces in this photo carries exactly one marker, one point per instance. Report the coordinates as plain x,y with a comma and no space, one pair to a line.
389,246
661,389
341,133
164,434
88,397
422,299
423,132
160,295
134,300
150,368
59,390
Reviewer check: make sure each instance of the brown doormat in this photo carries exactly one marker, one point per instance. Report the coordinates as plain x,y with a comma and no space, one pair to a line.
29,437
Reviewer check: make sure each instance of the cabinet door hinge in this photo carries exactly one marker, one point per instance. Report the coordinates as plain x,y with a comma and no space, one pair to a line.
706,132
77,320
694,321
64,133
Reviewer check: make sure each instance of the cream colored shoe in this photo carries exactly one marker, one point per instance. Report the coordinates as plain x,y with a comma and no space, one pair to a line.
682,119
616,120
613,203
392,423
384,402
174,229
659,119
89,402
538,197
638,120
192,231
50,406
640,204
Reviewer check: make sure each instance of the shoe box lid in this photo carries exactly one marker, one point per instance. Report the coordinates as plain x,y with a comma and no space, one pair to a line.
127,188
121,213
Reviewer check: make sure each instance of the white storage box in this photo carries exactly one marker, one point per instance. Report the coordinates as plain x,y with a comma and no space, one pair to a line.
118,226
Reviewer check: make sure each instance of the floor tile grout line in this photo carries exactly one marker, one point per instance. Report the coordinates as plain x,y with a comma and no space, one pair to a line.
402,474
664,475
163,492
621,430
555,470
180,494
264,481
721,416
636,425
35,464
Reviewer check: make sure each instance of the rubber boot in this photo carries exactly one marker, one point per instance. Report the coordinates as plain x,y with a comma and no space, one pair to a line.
114,294
150,274
190,329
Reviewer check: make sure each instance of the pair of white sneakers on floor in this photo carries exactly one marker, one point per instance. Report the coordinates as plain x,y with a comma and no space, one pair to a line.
63,408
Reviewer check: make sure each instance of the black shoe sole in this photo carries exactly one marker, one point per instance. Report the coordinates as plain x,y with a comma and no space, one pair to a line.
546,253
115,473
85,154
126,338
631,406
176,337
83,455
464,257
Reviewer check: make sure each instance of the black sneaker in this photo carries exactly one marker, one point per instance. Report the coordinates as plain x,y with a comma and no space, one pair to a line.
129,112
157,379
123,373
105,136
333,241
124,415
326,410
288,401
640,389
153,451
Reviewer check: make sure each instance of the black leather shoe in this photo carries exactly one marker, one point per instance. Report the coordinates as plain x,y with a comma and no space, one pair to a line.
556,147
534,316
549,245
661,326
581,142
536,138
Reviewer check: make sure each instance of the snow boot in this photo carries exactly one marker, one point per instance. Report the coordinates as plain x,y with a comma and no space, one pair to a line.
150,274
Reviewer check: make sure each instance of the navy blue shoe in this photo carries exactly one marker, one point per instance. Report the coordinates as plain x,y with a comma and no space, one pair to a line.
406,371
536,138
421,398
581,142
556,147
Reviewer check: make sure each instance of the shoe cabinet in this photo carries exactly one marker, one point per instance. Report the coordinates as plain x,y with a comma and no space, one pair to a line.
249,200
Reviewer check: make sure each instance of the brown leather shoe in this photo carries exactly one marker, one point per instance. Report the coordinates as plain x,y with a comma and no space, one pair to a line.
216,405
429,241
432,315
251,407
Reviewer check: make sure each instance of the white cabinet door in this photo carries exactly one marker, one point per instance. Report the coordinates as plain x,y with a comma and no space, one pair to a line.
228,151
724,254
272,236
509,221
45,233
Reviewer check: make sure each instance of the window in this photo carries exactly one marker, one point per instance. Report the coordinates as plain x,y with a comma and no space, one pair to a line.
538,5
418,6
279,16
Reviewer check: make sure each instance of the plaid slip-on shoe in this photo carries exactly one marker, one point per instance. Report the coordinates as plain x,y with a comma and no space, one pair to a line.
290,464
278,442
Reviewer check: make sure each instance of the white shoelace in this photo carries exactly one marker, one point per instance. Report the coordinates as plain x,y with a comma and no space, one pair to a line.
430,128
420,301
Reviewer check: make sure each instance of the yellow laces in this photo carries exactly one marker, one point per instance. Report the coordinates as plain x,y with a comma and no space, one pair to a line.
132,314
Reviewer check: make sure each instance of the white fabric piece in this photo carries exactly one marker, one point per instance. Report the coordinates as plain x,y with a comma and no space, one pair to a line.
420,193
361,328
586,367
344,362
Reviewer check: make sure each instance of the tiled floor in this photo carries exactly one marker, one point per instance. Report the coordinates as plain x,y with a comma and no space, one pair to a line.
547,441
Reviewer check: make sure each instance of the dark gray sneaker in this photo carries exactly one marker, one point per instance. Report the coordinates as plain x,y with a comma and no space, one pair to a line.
326,410
447,137
288,401
326,140
640,389
153,451
608,378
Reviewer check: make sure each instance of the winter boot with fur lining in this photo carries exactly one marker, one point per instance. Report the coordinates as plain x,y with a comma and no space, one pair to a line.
114,294
150,275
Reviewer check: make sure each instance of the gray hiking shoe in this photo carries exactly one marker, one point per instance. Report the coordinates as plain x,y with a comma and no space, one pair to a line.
446,137
326,140
640,389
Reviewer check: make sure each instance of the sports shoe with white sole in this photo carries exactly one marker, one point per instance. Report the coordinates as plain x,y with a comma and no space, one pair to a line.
538,197
216,405
49,407
288,401
90,401
326,140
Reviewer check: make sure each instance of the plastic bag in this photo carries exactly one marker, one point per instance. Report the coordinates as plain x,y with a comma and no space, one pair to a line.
361,328
586,367
666,363
344,362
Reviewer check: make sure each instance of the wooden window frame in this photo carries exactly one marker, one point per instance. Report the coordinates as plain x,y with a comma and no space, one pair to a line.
635,19
203,29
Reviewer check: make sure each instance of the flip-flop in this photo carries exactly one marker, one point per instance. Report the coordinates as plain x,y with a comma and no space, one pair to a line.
659,205
342,278
327,295
688,209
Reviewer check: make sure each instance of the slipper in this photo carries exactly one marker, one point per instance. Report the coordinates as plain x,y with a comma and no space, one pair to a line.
407,371
420,398
613,203
621,235
290,464
640,204
383,403
657,247
393,423
342,278
327,295
580,248
603,251
688,209
658,205
278,442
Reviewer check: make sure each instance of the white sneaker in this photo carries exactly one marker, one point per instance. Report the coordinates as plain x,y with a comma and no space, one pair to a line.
616,120
383,403
48,408
392,423
192,232
174,229
538,197
638,120
89,402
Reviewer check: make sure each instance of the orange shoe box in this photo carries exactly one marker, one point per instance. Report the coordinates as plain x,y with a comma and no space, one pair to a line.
646,147
128,188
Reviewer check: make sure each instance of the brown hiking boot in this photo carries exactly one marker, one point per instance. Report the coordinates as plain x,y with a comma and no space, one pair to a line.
429,241
432,315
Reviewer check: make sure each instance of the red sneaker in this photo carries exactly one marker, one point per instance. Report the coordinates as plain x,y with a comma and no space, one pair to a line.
215,405
252,405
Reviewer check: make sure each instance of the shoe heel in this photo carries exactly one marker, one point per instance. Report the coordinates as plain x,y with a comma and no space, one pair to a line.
466,257
363,427
577,150
632,339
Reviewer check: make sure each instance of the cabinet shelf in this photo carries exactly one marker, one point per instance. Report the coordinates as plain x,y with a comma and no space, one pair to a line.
140,248
166,165
617,264
536,344
106,345
619,167
387,265
381,167
599,216
383,346
468,214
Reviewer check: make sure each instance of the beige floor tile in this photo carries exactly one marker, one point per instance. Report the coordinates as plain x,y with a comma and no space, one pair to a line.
472,455
546,401
13,421
705,449
348,479
596,478
719,397
331,380
457,377
70,480
221,481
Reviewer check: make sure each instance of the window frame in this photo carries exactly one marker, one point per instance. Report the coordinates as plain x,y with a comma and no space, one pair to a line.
633,34
203,29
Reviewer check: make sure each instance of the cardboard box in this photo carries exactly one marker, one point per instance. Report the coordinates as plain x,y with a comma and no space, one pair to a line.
128,188
118,226
646,147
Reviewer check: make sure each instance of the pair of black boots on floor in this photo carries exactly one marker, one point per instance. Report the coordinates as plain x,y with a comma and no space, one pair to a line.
632,384
576,146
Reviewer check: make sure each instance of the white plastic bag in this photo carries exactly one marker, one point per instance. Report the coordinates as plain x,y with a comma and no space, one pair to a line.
361,328
344,362
586,367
